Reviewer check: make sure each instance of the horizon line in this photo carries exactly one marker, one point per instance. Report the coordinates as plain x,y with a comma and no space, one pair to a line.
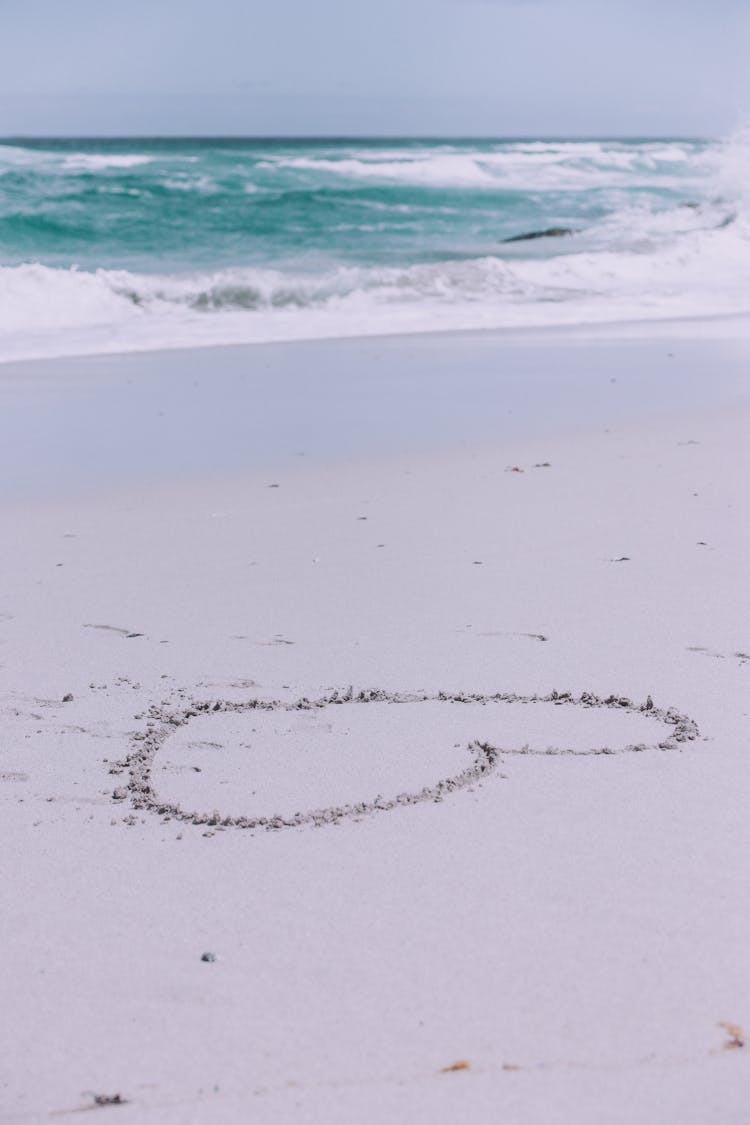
355,137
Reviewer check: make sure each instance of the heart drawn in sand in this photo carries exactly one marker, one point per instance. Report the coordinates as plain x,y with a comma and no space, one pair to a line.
165,722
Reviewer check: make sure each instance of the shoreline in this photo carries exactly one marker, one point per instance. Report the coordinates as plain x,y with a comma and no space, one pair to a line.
718,326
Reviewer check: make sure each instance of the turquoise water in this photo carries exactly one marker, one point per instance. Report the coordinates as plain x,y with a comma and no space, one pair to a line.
169,241
176,204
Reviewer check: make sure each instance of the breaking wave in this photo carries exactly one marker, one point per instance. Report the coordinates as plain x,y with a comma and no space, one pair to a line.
118,250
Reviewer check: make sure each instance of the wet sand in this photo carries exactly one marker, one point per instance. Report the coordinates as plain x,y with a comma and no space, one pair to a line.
370,709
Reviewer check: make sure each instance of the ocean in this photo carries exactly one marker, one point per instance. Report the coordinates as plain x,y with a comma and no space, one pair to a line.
122,245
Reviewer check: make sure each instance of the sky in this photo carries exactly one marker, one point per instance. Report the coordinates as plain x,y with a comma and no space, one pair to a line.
374,67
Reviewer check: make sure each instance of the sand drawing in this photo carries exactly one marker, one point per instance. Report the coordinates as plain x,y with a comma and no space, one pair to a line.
164,720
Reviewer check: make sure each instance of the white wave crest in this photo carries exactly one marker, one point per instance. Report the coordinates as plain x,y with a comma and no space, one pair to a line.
15,156
99,162
700,272
450,170
519,167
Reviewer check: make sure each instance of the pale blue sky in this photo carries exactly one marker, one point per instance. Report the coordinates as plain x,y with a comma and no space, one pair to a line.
482,67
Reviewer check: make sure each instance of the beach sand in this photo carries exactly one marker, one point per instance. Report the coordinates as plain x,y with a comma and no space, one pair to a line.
374,732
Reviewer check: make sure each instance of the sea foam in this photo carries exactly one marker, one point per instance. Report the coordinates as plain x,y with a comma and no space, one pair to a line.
113,249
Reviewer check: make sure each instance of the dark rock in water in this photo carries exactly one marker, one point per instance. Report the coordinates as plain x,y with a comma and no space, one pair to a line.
550,232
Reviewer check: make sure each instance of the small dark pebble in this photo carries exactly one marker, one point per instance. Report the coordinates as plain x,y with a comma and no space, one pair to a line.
129,635
68,698
110,1099
210,957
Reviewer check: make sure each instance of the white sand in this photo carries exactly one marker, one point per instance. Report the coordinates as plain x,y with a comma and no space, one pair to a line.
572,925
